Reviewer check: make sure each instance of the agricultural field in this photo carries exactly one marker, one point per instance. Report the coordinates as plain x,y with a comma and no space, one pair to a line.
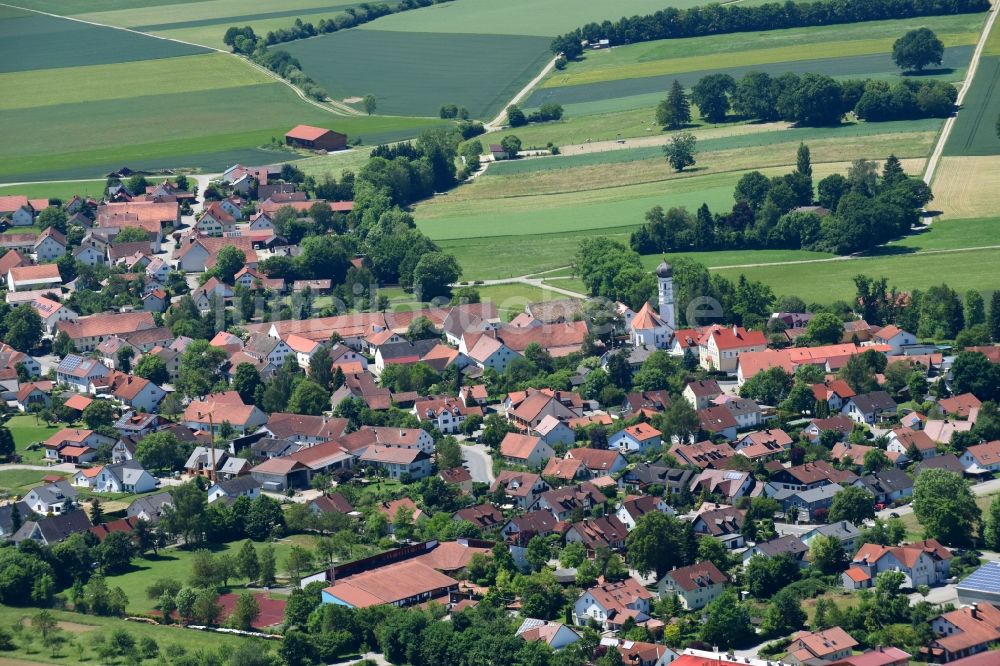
149,103
966,187
414,73
975,130
58,190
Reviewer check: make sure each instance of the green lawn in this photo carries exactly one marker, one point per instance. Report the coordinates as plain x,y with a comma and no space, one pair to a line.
20,481
81,630
951,234
28,430
64,191
510,299
415,73
670,56
175,563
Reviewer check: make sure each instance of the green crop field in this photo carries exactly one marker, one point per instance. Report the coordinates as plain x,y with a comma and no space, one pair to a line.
58,190
670,56
975,130
34,41
414,73
519,17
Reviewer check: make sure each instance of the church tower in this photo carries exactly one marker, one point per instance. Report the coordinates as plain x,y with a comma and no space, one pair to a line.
665,281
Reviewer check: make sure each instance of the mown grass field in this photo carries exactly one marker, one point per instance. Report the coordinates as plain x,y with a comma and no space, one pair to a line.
62,191
415,73
20,481
175,563
975,130
82,630
28,430
33,41
713,52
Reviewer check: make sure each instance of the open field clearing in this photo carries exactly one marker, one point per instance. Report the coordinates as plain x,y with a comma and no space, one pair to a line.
64,191
967,186
73,7
825,282
859,66
510,299
414,73
84,628
34,41
335,163
210,72
975,130
518,17
20,481
88,139
721,51
951,234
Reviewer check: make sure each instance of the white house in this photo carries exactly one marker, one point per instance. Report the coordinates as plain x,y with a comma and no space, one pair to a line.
634,508
57,497
488,352
89,255
78,372
640,438
42,276
611,604
124,477
50,245
720,347
229,491
303,348
982,457
52,312
896,338
555,634
525,450
553,431
922,563
140,394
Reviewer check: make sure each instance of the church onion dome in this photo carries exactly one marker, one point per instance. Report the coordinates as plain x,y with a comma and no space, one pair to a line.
664,270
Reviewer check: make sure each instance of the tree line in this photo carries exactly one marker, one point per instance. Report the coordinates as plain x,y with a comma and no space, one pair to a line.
714,19
857,212
807,99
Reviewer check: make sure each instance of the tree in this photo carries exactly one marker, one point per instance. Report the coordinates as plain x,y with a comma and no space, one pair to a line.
538,552
515,116
853,504
727,622
875,461
991,529
433,275
884,532
975,309
161,451
321,367
369,102
659,543
511,146
309,398
99,413
229,261
185,603
674,112
827,554
199,368
264,518
825,328
711,95
945,507
299,561
7,446
152,368
24,328
268,565
768,387
246,381
115,552
680,150
784,614
917,49
803,161
246,611
206,607
449,453
767,575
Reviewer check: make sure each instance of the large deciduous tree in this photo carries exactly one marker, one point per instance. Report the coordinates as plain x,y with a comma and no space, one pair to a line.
945,507
917,49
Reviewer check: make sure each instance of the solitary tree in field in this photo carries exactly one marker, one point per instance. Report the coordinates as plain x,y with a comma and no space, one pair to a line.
680,150
369,104
675,111
917,49
511,146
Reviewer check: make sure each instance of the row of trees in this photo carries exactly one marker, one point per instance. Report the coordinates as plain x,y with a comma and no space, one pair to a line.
716,19
807,99
863,210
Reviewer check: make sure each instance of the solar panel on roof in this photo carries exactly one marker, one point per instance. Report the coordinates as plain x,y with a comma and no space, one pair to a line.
986,577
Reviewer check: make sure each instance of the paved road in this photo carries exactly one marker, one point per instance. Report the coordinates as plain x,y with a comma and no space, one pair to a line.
991,487
479,462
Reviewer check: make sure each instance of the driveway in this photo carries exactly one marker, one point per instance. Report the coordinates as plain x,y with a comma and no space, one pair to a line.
479,462
946,594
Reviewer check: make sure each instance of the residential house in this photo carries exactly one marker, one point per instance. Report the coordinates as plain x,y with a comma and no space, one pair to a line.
554,634
308,429
646,402
205,461
74,445
789,545
486,351
483,516
701,393
155,300
595,534
610,604
398,462
703,454
21,210
34,396
720,347
718,422
598,462
924,562
913,444
565,469
964,406
640,653
638,438
209,413
51,245
764,444
89,255
232,489
887,485
50,530
55,497
525,450
88,332
564,502
520,529
124,477
526,409
942,431
728,483
963,632
724,523
847,534
827,645
833,392
552,431
695,585
896,338
839,424
446,414
138,393
870,408
523,489
644,475
807,505
981,457
746,412
635,507
149,508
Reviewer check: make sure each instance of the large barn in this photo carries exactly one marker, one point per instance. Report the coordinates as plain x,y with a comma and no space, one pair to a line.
315,138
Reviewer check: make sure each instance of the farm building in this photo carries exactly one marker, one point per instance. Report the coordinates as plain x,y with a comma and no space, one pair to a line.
315,138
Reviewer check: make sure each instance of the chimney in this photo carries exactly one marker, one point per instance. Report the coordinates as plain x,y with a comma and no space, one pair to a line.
975,611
